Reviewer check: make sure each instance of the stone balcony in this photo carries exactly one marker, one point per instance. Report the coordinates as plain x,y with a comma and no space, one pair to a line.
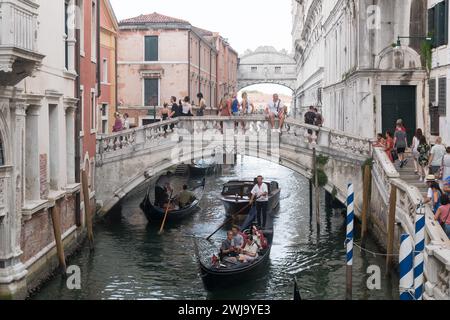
18,36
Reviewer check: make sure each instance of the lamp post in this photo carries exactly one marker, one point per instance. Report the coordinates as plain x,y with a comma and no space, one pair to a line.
398,44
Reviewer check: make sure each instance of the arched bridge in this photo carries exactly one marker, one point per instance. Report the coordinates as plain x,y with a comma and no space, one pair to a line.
267,65
127,159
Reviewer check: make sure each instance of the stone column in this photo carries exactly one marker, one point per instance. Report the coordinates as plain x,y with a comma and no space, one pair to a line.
12,271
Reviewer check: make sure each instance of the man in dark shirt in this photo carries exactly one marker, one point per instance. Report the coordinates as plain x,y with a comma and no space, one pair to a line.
310,116
175,108
227,250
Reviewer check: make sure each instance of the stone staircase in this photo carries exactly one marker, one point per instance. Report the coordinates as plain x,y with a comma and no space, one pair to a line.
182,170
409,176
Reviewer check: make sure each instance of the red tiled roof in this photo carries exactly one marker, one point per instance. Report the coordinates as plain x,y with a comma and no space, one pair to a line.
152,18
203,32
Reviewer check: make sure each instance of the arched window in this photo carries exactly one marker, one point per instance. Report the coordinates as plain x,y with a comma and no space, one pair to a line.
2,157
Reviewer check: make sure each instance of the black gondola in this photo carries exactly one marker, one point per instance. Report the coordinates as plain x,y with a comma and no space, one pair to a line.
236,196
154,213
202,168
227,274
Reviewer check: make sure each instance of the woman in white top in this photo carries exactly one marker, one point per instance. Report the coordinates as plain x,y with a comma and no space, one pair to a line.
415,152
187,107
445,169
250,251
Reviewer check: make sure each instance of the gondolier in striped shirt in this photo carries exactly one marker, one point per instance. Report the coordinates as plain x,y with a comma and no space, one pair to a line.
260,192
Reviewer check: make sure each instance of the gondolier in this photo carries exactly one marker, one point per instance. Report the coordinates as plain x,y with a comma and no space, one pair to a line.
260,192
163,189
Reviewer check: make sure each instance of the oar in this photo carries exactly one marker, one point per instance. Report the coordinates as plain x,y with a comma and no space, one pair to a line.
165,215
228,220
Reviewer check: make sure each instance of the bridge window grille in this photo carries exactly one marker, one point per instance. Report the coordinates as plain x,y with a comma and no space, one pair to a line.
277,69
254,69
2,158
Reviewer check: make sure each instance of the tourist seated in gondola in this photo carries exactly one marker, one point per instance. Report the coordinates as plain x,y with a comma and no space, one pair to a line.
185,198
259,238
250,251
238,237
227,251
163,189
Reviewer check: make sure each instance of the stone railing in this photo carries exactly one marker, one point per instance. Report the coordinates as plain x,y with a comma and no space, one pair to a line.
437,253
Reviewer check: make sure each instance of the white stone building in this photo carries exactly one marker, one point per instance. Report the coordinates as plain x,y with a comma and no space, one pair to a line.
439,95
348,66
37,149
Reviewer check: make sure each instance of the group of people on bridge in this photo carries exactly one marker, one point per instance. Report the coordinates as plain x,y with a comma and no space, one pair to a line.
431,165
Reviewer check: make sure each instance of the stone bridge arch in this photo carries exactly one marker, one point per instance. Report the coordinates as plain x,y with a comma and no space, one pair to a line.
267,65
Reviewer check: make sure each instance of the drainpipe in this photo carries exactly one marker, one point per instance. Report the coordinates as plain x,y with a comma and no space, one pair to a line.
189,63
77,123
210,77
116,76
199,64
99,86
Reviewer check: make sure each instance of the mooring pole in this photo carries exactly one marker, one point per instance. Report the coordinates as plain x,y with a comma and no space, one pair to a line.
391,227
349,241
366,202
56,221
310,198
87,208
316,188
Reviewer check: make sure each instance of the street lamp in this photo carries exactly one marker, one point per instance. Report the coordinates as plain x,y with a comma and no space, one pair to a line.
399,43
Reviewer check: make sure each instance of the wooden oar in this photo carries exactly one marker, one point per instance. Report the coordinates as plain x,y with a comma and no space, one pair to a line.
165,215
228,220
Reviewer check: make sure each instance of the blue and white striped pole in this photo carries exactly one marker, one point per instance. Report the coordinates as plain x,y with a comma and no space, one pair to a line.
349,238
419,253
406,267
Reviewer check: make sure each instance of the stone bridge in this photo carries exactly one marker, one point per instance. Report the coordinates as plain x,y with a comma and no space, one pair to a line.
127,159
267,65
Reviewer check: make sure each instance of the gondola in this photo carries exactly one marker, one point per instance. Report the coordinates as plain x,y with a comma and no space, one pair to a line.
227,274
236,196
202,168
154,213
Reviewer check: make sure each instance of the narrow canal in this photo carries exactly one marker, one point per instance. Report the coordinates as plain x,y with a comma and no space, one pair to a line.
131,261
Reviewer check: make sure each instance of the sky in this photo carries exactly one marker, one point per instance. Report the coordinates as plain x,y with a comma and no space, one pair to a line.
247,24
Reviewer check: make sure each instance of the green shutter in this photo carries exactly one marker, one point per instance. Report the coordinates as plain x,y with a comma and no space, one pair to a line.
432,25
446,22
151,48
442,96
151,92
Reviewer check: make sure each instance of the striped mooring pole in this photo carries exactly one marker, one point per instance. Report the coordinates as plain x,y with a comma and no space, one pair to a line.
406,268
349,238
419,253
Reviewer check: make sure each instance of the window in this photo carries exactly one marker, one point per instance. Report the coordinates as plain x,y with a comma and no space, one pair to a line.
2,157
54,144
442,96
254,69
93,111
105,71
277,69
93,31
105,118
151,48
432,90
438,23
66,35
151,92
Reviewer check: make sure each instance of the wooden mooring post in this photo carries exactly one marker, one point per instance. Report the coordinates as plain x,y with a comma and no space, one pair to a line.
87,208
56,221
316,188
367,181
391,227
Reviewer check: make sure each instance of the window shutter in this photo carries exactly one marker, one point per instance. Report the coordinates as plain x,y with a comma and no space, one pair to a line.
431,25
432,90
442,96
151,48
446,21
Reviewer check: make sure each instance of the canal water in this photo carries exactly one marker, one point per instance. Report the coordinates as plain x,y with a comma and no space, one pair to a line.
131,261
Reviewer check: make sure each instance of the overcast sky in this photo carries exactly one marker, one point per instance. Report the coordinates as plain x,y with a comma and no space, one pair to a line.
246,24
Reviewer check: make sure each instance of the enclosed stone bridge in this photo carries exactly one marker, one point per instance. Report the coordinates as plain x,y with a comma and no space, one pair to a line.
128,159
267,65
